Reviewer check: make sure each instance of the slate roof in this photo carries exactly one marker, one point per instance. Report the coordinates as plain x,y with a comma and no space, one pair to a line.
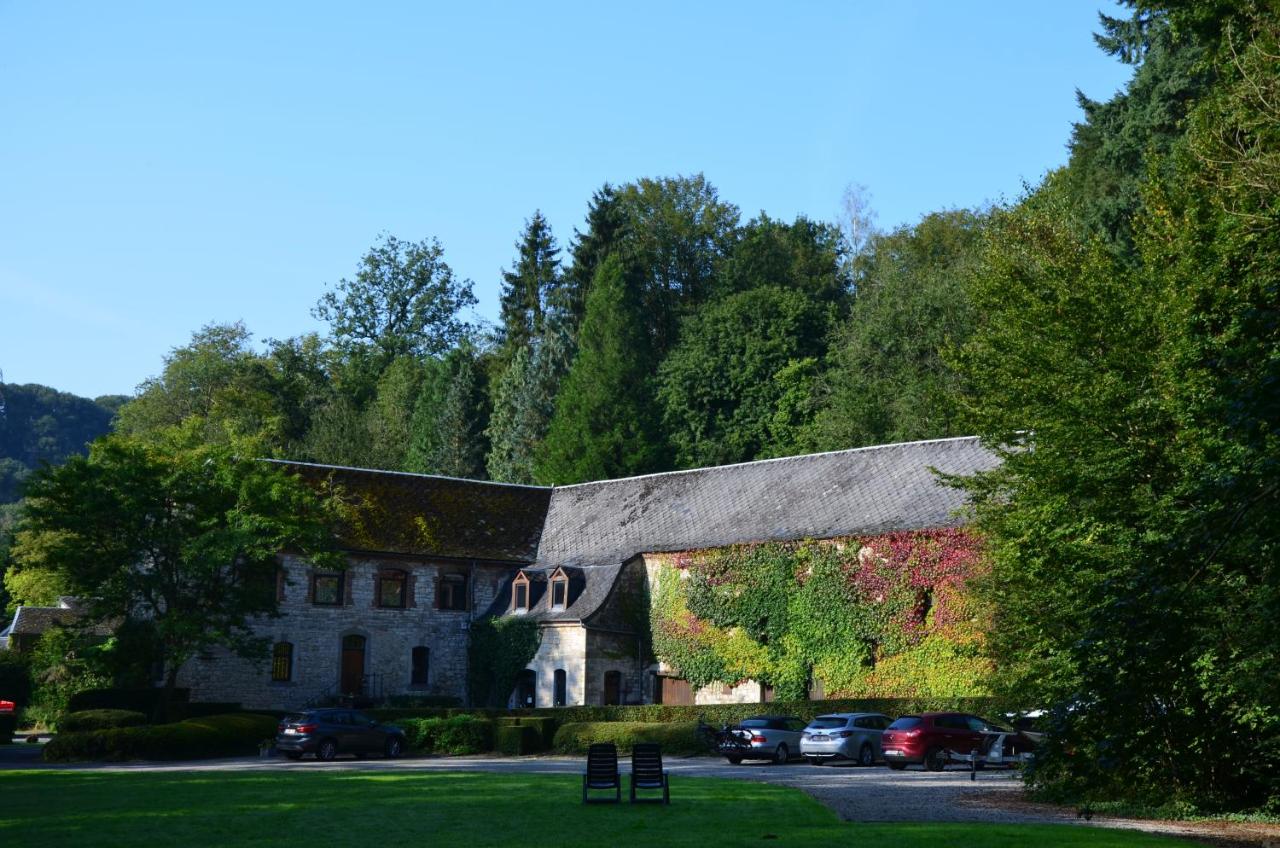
844,493
426,515
33,621
597,526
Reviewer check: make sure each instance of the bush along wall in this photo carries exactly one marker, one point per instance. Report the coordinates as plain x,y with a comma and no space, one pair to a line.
197,738
675,737
889,615
460,734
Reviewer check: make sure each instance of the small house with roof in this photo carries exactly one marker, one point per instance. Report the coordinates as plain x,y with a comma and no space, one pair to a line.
429,555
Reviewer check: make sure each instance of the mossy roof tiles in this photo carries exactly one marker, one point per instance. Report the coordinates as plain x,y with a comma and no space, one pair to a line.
431,516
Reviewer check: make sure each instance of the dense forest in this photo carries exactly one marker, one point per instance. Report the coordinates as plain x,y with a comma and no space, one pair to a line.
1114,334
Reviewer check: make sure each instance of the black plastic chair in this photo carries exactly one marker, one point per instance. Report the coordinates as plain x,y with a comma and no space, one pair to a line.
647,773
602,773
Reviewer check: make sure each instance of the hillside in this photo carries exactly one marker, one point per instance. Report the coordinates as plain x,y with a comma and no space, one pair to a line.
41,424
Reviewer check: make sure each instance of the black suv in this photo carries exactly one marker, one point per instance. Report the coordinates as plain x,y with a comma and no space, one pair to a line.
327,733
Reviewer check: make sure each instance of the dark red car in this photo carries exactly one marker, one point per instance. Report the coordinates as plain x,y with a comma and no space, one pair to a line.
933,739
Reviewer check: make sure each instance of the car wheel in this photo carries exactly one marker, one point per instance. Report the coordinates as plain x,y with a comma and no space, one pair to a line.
293,755
395,747
327,751
896,766
734,760
866,756
781,754
936,759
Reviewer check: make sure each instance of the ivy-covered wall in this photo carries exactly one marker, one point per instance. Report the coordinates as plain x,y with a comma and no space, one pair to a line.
883,616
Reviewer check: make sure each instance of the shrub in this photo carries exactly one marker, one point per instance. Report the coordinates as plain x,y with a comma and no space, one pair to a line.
675,737
99,720
145,701
8,727
517,739
15,679
197,738
183,711
455,735
408,701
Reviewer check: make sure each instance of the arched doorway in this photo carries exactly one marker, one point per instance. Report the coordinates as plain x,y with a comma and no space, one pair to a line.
561,689
527,688
353,647
612,688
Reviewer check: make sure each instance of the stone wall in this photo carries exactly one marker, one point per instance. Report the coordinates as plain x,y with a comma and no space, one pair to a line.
317,631
563,646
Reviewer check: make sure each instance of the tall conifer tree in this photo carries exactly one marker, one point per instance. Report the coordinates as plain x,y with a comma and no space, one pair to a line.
527,287
605,424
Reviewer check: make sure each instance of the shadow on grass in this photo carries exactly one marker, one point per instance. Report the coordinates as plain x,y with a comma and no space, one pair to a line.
191,810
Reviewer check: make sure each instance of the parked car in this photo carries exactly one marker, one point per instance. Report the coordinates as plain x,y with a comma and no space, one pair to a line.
330,732
934,739
844,736
7,707
774,738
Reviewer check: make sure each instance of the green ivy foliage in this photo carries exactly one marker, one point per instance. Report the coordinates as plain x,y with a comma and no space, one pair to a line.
499,649
889,615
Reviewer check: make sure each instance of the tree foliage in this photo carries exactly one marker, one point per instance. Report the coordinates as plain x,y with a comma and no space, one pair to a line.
187,538
1134,520
605,424
719,387
403,301
886,377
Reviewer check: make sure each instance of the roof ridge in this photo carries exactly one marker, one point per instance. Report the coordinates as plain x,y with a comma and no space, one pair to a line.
765,461
406,474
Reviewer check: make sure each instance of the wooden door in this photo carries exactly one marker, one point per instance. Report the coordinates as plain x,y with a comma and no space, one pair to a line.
676,691
352,665
612,688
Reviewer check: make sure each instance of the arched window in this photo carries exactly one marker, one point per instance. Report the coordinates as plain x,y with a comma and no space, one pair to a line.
561,688
421,665
282,662
392,589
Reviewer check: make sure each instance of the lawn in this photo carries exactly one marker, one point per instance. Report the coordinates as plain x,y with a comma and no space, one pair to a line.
345,808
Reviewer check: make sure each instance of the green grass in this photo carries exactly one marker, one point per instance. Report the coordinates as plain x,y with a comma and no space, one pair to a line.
381,809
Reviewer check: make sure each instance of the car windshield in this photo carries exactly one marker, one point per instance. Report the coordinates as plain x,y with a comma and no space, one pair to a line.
906,723
755,722
828,722
296,718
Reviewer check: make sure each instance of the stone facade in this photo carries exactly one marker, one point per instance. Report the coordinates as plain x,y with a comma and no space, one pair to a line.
317,632
601,540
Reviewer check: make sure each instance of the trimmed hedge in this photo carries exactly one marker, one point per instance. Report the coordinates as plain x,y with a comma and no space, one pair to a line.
515,740
457,735
717,714
197,738
144,701
675,737
8,727
419,701
199,709
87,720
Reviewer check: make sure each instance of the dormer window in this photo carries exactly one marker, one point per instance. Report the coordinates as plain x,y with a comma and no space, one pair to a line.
520,593
559,590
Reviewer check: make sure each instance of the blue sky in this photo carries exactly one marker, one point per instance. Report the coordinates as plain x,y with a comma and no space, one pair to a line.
166,165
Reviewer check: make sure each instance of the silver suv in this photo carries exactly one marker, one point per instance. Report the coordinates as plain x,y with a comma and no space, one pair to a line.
844,736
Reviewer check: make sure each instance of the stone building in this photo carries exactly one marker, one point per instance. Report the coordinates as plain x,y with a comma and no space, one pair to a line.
429,555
